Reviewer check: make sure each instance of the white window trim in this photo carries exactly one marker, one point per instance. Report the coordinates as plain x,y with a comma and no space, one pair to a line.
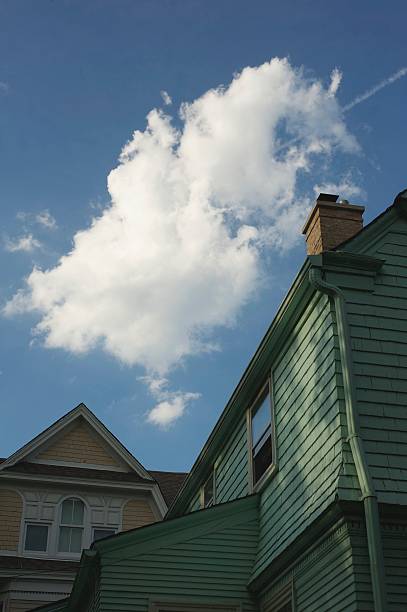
85,528
272,469
42,553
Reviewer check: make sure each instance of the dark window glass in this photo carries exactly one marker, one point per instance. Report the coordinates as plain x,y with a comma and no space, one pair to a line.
71,527
262,445
208,491
36,538
98,534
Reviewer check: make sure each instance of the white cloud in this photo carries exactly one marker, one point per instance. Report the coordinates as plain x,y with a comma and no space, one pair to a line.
25,243
166,97
336,78
4,88
171,405
45,219
346,187
178,251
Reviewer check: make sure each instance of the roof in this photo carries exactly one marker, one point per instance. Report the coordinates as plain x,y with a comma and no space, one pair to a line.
25,467
170,483
80,412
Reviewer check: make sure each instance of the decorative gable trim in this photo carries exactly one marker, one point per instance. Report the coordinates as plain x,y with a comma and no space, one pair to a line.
80,411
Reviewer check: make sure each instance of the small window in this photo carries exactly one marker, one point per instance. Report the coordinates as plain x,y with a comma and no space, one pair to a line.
100,533
71,526
261,435
208,491
36,538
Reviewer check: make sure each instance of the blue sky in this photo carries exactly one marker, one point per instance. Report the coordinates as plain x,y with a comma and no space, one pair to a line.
76,80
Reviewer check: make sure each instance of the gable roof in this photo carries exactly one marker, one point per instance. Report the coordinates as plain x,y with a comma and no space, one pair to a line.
80,412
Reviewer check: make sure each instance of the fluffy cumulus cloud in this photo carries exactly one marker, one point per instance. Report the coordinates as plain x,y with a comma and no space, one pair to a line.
178,251
170,405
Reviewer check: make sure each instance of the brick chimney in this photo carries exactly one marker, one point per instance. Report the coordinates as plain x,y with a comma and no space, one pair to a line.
331,223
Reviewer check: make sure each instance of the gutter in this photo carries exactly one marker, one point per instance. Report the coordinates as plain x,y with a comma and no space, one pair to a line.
369,497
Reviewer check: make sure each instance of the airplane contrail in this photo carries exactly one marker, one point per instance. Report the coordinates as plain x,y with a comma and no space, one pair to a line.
371,92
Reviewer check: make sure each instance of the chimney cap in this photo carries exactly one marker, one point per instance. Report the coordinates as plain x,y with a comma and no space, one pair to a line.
327,197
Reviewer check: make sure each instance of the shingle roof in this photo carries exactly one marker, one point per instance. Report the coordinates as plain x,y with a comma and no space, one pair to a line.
25,467
170,483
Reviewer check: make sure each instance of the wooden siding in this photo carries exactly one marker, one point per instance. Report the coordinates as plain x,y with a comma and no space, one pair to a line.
80,445
232,467
195,503
308,428
323,579
395,560
231,473
208,561
136,513
378,323
11,509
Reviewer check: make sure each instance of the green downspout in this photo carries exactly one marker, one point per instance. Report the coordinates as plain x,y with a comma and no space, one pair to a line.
374,540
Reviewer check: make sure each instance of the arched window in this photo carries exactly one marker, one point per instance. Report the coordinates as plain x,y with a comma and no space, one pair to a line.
71,526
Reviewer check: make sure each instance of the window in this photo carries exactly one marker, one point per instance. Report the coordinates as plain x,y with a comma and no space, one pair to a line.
36,538
71,526
261,431
208,491
99,533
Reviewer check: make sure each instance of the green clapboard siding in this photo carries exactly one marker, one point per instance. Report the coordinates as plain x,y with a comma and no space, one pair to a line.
206,556
395,559
378,323
323,580
308,429
232,468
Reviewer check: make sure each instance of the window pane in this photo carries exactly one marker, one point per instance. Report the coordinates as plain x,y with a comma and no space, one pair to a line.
76,539
98,534
261,419
67,511
64,537
36,537
262,460
72,512
70,539
77,512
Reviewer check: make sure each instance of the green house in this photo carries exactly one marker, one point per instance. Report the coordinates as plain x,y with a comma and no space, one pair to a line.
298,500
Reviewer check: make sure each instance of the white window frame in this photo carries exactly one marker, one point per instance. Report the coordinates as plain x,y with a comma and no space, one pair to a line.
272,468
85,529
43,553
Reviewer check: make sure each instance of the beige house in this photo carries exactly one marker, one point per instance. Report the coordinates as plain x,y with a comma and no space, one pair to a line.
72,484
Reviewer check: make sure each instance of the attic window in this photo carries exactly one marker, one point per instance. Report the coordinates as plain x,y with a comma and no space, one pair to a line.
208,491
261,435
71,526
